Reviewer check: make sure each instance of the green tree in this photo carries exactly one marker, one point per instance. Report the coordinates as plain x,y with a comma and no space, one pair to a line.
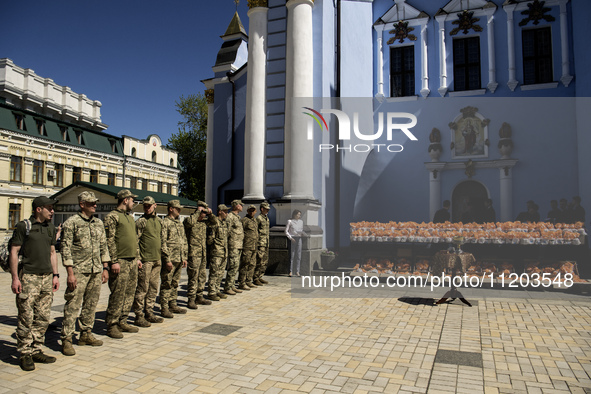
190,143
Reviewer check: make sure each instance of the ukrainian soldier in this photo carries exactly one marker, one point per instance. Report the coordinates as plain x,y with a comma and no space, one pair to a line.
235,238
86,258
249,248
149,231
174,257
219,251
123,249
195,230
35,281
262,245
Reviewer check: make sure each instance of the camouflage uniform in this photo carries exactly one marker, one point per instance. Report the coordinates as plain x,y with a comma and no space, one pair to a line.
249,249
84,248
149,231
119,223
262,247
235,237
219,252
174,250
39,262
195,231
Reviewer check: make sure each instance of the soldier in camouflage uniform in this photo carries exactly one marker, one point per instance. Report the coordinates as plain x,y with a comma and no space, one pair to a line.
235,237
86,258
263,245
249,249
195,230
174,256
219,251
33,282
124,252
149,231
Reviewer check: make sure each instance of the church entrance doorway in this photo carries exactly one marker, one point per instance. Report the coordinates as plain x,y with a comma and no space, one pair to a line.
467,202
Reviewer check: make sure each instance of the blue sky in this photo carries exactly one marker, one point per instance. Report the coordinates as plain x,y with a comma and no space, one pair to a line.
135,57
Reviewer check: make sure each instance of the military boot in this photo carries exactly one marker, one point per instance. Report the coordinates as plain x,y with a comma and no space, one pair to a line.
152,318
26,362
243,286
191,303
202,301
123,326
140,321
174,308
86,338
214,297
229,291
257,282
266,282
67,348
222,296
251,285
165,312
235,290
114,332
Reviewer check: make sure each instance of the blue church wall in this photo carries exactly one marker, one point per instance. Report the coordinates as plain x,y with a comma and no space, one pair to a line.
228,174
501,65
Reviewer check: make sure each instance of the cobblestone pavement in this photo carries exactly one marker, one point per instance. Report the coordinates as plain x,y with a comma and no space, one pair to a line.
269,340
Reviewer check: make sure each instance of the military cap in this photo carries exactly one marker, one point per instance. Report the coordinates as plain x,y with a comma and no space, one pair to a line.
222,207
174,204
124,194
265,204
87,196
42,201
202,204
236,202
149,200
251,207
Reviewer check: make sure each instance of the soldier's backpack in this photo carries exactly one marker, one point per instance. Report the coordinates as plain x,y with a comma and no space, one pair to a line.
5,248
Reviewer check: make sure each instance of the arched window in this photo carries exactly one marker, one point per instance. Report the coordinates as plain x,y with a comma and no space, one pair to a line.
133,152
154,156
172,162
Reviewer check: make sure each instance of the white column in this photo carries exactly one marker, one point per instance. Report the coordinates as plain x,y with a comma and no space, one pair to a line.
511,46
254,134
566,77
380,32
424,61
434,192
490,32
209,149
506,188
442,65
298,159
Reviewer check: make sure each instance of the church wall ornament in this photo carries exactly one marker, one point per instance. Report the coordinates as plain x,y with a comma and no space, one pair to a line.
469,135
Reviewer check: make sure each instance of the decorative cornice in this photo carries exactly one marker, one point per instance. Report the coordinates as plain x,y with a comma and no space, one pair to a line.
257,3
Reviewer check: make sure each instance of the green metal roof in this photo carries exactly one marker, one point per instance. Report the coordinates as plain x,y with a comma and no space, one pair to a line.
95,140
161,198
235,26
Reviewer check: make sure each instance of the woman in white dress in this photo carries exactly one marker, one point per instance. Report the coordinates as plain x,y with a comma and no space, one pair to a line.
294,232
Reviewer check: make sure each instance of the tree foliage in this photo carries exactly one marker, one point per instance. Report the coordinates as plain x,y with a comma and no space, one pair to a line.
190,143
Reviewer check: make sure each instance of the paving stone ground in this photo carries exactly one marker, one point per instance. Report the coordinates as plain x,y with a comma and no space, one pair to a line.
270,340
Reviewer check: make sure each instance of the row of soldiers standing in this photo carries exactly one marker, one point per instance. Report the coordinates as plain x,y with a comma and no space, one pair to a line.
134,256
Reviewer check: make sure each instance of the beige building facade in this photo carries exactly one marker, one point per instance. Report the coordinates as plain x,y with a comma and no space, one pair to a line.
52,137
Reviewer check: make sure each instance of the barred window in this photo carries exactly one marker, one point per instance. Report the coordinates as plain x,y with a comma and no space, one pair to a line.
402,71
466,63
537,56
